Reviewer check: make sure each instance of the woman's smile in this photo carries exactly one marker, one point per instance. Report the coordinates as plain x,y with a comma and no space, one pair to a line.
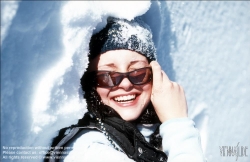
125,98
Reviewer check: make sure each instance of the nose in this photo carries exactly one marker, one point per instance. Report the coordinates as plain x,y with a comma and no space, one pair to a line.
125,84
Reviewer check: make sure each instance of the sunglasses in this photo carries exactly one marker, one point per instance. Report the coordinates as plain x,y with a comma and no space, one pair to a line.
110,79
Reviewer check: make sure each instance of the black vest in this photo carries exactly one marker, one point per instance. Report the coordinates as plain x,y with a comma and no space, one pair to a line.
125,134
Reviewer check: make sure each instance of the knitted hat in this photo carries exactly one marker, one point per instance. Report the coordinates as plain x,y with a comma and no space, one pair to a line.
132,35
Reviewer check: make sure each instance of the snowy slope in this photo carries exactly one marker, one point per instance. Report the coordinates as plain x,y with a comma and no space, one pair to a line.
204,46
211,58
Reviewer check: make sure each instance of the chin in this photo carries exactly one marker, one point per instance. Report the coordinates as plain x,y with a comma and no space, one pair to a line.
129,113
130,116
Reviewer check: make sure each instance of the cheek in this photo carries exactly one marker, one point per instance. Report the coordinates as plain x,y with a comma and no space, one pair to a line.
103,93
147,90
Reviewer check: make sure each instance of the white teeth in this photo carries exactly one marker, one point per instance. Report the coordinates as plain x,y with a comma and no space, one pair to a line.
124,98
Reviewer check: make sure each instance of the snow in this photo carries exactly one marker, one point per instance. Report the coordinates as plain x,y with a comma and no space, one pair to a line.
8,11
204,46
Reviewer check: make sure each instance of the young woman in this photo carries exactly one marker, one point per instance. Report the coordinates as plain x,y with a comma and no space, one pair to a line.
135,112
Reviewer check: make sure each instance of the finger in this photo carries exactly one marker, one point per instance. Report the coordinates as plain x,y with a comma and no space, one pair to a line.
164,76
157,74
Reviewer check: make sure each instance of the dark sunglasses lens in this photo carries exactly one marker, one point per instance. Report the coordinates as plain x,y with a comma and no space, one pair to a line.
108,79
104,80
140,76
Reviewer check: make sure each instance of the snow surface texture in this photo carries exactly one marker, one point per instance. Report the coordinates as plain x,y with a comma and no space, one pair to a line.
8,11
204,46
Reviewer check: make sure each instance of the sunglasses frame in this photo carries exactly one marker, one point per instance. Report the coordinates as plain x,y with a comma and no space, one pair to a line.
123,75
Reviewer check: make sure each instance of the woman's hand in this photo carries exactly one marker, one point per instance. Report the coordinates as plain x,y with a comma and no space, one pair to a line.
167,97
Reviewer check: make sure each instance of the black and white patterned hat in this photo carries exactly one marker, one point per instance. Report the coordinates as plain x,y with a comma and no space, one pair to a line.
132,35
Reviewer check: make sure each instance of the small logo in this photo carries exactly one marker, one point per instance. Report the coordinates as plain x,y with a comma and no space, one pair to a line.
237,151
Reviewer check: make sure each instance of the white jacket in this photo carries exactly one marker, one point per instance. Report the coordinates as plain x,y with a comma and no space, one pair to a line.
181,143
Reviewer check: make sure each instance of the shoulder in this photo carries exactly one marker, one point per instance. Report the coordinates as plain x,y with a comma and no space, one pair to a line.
84,143
87,137
92,145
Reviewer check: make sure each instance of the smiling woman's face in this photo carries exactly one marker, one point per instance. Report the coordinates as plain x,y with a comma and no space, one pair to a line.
126,99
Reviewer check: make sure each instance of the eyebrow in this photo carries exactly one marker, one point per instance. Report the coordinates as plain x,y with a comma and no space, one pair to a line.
112,65
109,65
136,61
